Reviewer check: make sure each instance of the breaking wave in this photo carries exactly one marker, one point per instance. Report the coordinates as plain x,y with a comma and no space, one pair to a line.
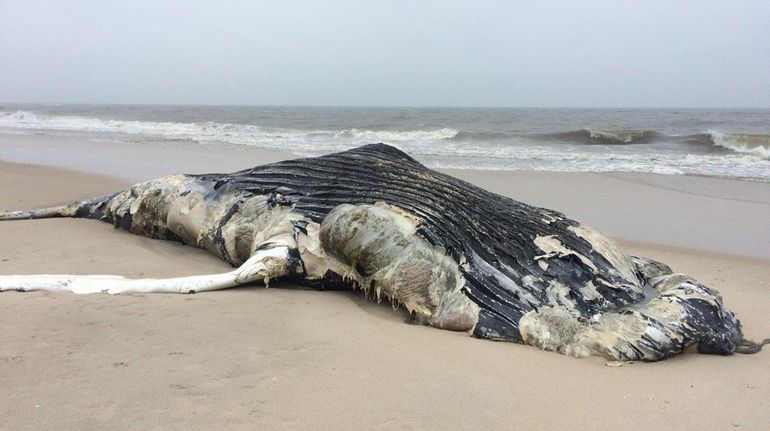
239,134
753,144
605,137
758,145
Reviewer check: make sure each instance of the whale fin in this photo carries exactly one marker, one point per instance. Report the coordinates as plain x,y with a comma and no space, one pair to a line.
265,264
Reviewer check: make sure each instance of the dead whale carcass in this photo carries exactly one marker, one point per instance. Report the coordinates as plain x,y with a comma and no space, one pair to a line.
456,256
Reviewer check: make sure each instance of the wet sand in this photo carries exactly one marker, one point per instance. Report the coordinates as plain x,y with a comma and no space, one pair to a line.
286,357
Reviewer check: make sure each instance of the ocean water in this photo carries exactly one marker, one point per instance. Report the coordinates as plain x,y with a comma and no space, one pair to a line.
731,143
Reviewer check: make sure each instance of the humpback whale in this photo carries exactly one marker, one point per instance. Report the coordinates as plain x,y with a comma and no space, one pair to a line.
454,255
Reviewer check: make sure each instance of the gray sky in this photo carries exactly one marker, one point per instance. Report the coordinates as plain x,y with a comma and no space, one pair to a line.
386,53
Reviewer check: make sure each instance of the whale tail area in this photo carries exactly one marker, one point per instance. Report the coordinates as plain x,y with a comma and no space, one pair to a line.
60,211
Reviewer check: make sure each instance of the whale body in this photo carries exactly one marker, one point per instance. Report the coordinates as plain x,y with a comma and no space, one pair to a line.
454,255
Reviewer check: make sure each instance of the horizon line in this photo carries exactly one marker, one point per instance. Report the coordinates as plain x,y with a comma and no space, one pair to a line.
375,106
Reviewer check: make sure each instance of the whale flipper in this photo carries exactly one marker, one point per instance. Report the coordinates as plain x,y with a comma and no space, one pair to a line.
266,264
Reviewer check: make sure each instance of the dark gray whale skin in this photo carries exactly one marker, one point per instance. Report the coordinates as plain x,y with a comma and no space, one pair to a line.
514,258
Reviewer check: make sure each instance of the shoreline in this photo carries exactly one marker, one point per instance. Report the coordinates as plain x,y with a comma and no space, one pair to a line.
287,357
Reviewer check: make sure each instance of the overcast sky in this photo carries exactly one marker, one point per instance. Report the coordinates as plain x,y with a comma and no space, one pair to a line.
388,53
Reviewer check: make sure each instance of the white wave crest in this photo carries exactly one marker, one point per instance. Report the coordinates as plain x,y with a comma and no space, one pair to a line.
402,136
758,145
30,121
239,134
730,166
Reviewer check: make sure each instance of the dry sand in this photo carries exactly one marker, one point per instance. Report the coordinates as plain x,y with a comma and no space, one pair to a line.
283,357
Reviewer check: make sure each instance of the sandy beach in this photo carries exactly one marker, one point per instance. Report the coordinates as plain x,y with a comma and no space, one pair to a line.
290,358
